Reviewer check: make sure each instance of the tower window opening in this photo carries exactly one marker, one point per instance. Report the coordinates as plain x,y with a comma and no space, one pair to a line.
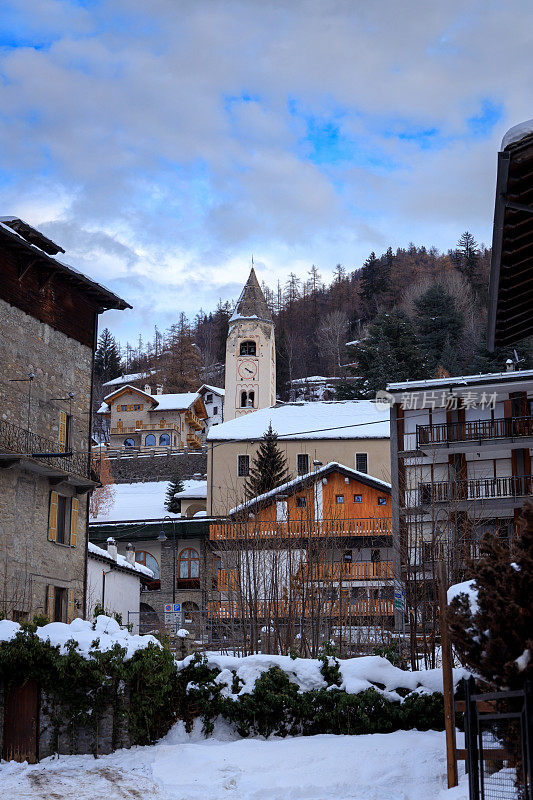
247,349
251,397
244,399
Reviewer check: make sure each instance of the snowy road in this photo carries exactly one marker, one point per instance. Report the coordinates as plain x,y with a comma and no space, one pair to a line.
397,766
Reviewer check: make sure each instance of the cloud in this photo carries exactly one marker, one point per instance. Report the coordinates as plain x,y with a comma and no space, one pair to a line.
163,144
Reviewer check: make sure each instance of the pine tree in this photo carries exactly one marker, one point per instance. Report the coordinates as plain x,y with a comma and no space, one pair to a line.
269,466
172,504
439,325
283,374
375,280
107,357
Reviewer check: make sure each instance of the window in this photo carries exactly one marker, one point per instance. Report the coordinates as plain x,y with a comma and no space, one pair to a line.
303,463
301,502
243,466
63,518
247,349
339,498
382,501
209,398
150,440
148,560
129,443
358,498
347,556
60,605
164,439
189,564
361,462
137,407
122,408
215,410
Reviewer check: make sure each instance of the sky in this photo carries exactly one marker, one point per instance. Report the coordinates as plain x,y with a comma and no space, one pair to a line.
164,143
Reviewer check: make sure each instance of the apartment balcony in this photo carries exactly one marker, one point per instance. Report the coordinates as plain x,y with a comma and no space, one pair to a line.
194,421
480,431
146,427
194,441
43,456
301,529
355,571
479,490
286,609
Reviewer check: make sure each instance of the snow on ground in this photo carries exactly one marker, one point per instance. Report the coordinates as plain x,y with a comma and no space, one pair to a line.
405,765
142,501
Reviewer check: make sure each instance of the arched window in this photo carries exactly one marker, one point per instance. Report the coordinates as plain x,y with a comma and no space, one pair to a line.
244,399
150,440
189,563
164,439
129,443
148,560
247,349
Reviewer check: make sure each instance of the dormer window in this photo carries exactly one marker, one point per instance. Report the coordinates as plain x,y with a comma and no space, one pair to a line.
247,348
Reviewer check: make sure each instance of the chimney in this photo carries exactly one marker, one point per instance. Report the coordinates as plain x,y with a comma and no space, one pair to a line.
159,389
509,365
147,388
112,549
130,554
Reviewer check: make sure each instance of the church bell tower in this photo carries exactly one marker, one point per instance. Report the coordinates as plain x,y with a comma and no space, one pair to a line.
250,354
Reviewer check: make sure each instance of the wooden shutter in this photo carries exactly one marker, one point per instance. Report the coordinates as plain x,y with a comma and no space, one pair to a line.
52,518
71,609
62,431
50,602
74,522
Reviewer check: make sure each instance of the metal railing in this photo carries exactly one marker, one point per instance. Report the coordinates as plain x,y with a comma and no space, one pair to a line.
19,441
478,430
301,528
228,609
476,489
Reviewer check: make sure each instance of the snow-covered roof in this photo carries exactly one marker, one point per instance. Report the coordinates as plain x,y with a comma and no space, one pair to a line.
342,419
132,376
120,561
517,132
313,476
137,501
161,402
462,380
192,489
215,389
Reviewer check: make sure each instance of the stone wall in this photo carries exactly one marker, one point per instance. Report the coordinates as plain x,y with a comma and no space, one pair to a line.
148,467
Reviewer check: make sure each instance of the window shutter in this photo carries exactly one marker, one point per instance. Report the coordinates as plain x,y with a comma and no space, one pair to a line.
50,602
71,610
62,431
52,519
74,522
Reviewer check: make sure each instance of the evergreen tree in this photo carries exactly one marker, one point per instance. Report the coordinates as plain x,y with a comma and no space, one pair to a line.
467,260
107,357
390,352
269,466
172,504
439,325
369,285
282,365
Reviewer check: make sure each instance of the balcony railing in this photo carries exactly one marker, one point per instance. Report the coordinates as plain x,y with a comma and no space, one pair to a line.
478,430
359,570
231,609
146,426
193,420
478,489
18,441
193,440
301,529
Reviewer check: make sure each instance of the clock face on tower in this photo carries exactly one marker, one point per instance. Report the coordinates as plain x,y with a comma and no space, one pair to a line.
247,369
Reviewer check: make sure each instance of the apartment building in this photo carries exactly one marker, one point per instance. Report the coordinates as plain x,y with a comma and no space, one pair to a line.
140,419
48,325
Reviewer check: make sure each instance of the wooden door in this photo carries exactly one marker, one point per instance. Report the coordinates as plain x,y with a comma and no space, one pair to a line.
21,718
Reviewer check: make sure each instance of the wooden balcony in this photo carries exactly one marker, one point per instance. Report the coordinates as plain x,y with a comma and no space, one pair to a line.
300,529
194,441
480,430
193,421
146,426
290,610
515,486
359,570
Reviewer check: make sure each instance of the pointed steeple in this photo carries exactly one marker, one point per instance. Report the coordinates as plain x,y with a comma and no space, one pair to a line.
251,304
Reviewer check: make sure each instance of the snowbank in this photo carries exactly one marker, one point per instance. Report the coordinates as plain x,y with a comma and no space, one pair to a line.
357,674
101,635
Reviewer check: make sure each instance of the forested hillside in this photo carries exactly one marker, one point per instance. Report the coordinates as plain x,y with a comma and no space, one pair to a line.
402,315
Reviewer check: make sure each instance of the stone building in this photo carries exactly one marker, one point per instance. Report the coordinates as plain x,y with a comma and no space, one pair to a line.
48,325
250,354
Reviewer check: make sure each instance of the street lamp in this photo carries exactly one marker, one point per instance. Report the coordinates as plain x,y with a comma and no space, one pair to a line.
163,538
